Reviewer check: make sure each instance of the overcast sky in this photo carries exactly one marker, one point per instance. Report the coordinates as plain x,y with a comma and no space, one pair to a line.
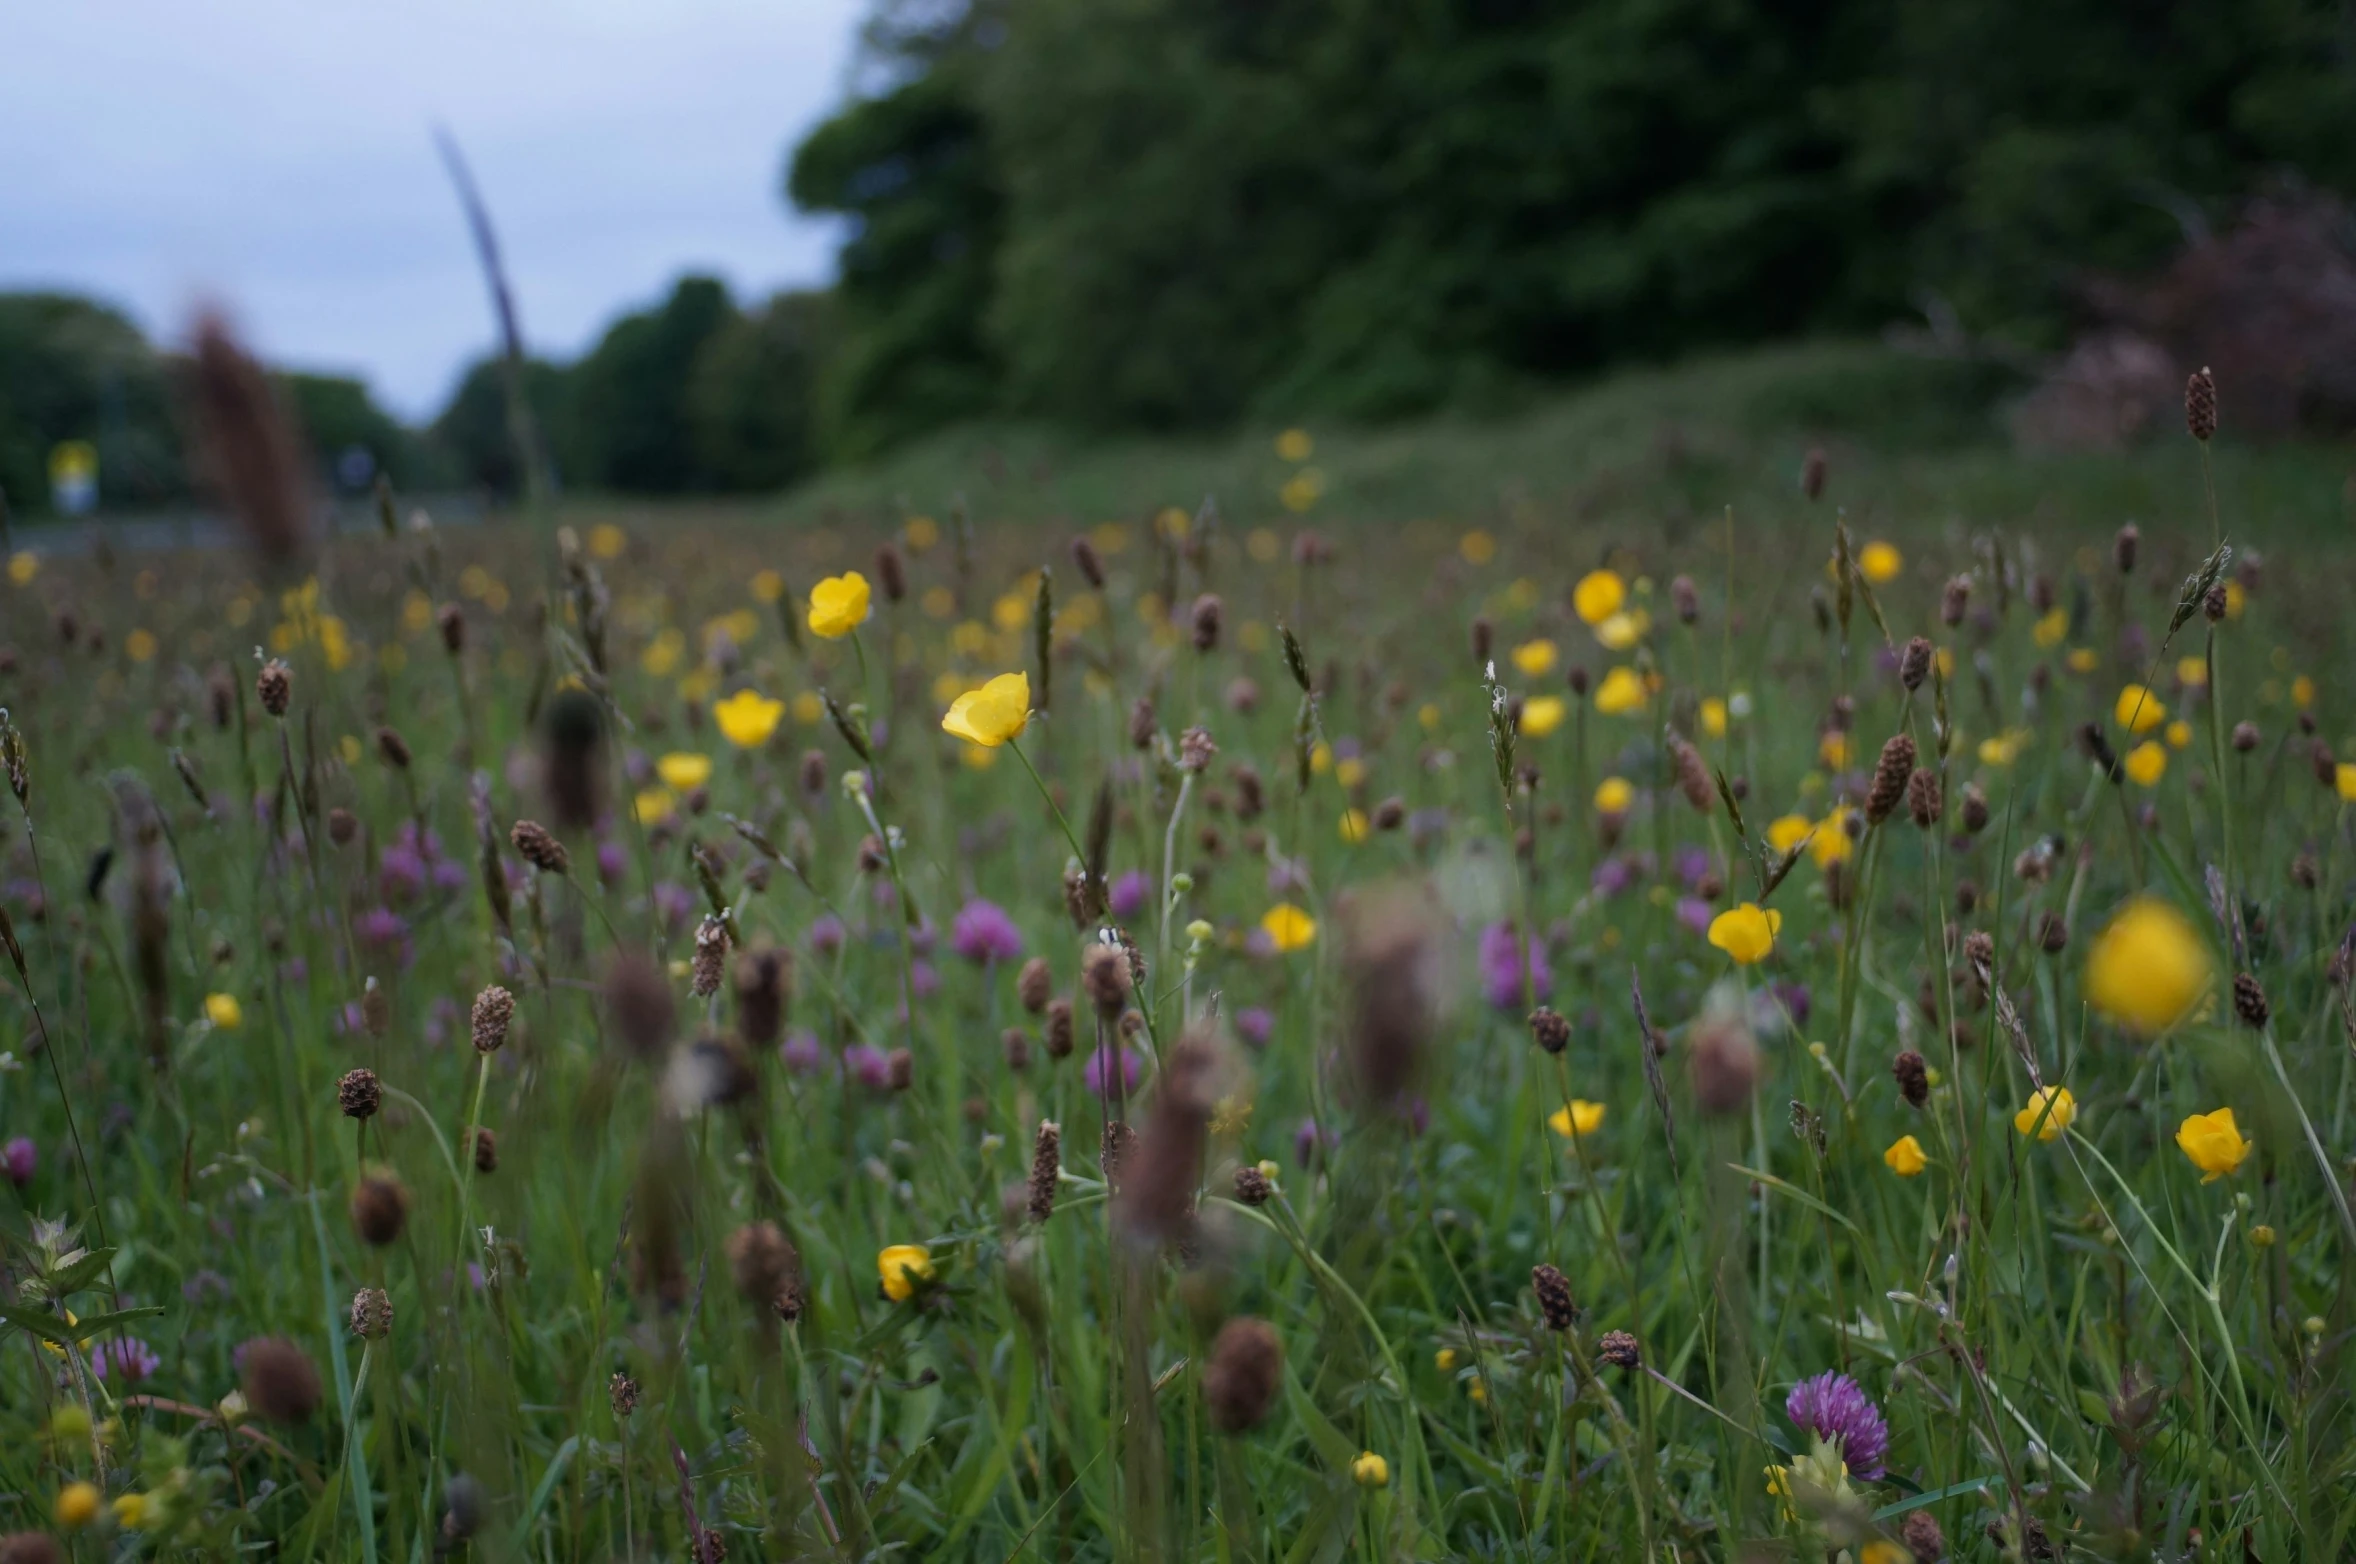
277,155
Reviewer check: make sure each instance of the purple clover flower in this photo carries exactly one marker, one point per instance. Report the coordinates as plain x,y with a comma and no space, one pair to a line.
869,1066
1129,894
1501,974
1255,1025
801,1052
21,1160
826,934
1098,1075
1311,1141
131,1359
1832,1407
983,933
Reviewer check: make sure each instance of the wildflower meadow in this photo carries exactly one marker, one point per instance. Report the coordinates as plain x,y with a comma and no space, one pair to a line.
1213,1035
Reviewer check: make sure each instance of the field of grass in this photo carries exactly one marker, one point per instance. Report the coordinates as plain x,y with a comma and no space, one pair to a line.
1566,1036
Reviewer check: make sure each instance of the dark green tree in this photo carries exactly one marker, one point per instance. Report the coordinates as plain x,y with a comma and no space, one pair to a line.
628,398
751,397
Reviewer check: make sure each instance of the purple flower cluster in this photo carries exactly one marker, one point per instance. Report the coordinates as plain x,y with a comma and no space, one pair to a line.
20,1161
1501,974
1129,893
131,1360
1099,1074
1832,1407
982,933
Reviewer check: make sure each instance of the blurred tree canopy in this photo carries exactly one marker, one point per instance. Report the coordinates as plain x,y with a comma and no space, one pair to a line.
1172,212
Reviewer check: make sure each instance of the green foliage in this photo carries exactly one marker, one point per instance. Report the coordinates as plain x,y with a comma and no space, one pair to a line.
910,170
336,414
627,400
1160,213
474,429
71,369
750,394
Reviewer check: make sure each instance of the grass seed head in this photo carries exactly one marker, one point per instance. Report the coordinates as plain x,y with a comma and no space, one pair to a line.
494,1012
1913,1077
1888,788
1046,1164
1244,1374
372,1313
280,1381
1555,1302
359,1094
1620,1350
538,847
379,1209
2200,405
274,687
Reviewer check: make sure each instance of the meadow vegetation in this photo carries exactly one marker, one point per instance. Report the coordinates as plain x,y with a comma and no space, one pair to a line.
1601,984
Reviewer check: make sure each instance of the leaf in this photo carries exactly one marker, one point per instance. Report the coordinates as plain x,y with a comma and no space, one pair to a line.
77,1275
1797,1193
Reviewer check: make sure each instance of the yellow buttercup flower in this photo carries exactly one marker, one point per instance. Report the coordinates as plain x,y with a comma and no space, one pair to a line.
2213,1143
1598,596
1746,933
838,605
1294,445
904,1268
2343,782
1786,832
2148,967
1905,1157
23,565
684,771
652,804
2138,709
2179,734
2192,672
2302,692
1832,844
224,1011
1355,826
1581,1118
607,541
1477,547
1290,927
131,1511
77,1505
1878,562
1445,1359
1622,630
1542,714
1535,658
1834,751
1000,710
1621,691
1350,772
2146,763
1370,1471
2082,659
747,718
2005,748
1713,714
1613,795
2051,1110
2050,630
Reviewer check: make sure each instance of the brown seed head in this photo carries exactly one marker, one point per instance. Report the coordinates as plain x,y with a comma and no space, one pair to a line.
2200,404
711,957
1693,775
1953,599
1251,796
1549,1030
1046,1164
372,1313
1035,984
2216,603
30,1547
394,748
1975,808
450,619
1812,473
1914,663
1090,566
376,1008
1925,800
1141,723
1913,1077
1889,778
1619,1349
899,1069
2053,934
1195,749
891,573
2123,547
764,980
1055,1032
1104,978
1722,1061
1208,611
342,826
380,1209
1118,1146
2249,1002
486,1150
2245,737
1252,1187
1686,599
247,450
638,996
1555,1302
494,1012
1390,814
274,687
1922,1536
359,1094
621,1393
1244,1374
1484,639
1155,1200
538,848
280,1381
1015,1044
763,1264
